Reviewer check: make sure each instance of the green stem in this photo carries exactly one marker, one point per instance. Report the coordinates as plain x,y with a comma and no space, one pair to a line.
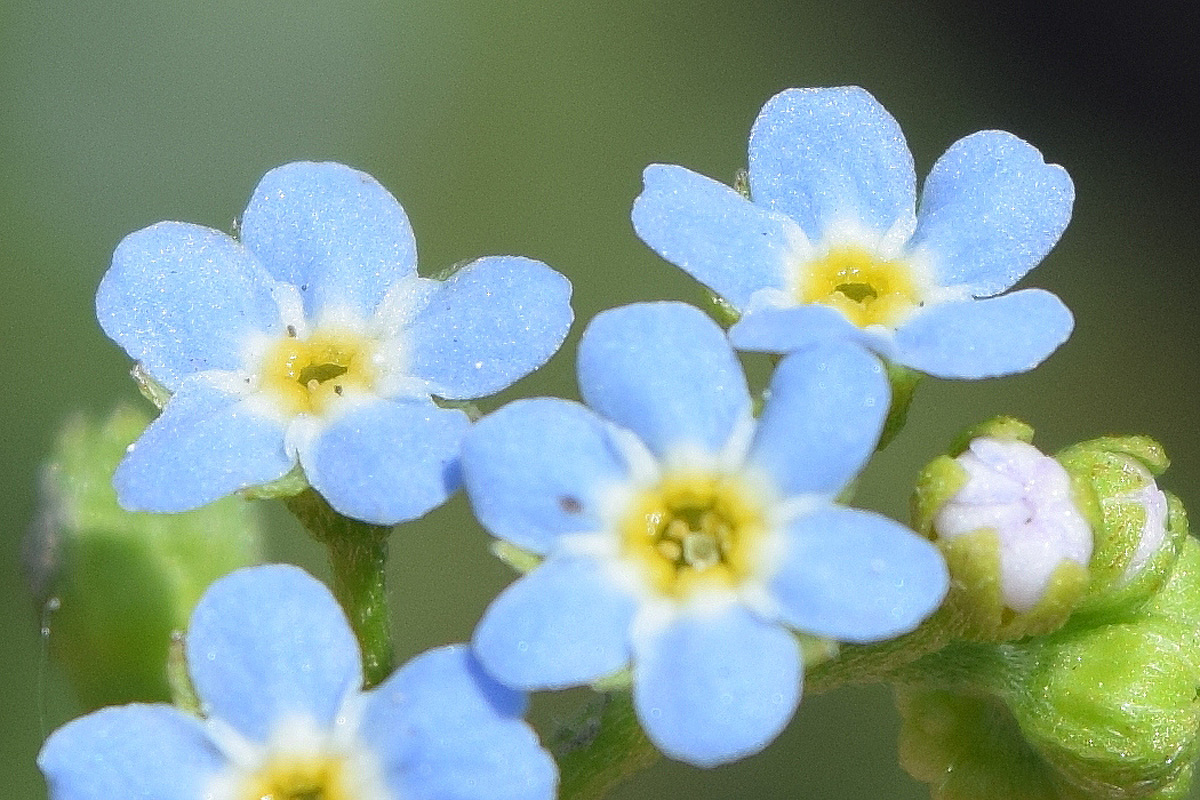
358,554
880,662
601,747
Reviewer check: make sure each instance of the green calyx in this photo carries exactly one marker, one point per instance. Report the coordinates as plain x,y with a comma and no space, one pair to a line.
116,584
1139,530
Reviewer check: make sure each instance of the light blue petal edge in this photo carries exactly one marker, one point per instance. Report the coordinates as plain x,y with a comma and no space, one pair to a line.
991,209
529,493
387,461
711,232
130,751
205,445
563,624
270,643
856,576
714,686
826,156
986,338
491,322
445,729
181,299
332,231
824,412
664,371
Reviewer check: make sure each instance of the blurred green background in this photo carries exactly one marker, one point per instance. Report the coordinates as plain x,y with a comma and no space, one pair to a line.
523,127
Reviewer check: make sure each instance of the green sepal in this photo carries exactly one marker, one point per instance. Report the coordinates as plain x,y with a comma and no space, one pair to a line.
939,481
968,747
721,309
150,388
518,558
976,600
290,485
120,582
1113,470
1114,708
904,383
997,428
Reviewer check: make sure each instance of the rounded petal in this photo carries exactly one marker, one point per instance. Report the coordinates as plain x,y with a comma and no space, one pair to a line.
715,685
565,623
720,238
664,371
772,329
856,576
829,156
491,322
182,298
332,231
824,412
529,493
991,209
444,729
130,751
206,444
268,644
387,462
985,338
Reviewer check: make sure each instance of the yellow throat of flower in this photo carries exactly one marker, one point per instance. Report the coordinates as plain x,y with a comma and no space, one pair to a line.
308,375
300,778
695,530
868,290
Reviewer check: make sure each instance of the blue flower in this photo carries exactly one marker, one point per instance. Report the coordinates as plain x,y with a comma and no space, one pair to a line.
277,669
829,245
686,539
311,340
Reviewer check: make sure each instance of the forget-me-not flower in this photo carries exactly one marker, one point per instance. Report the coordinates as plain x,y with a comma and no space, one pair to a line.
278,673
686,539
310,339
831,243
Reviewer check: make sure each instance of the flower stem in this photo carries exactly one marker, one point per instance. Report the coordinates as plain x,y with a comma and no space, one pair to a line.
601,747
358,554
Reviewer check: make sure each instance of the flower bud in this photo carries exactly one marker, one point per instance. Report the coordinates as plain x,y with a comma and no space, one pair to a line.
1113,708
1015,530
1141,528
114,584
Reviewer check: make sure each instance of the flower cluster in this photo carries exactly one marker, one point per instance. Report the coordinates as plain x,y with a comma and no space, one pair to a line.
684,537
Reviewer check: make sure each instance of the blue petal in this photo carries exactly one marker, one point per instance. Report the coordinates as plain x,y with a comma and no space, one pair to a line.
490,323
991,209
332,231
664,371
443,729
856,576
823,156
182,298
783,330
205,445
565,623
720,238
130,751
824,412
716,685
268,643
985,338
387,462
528,492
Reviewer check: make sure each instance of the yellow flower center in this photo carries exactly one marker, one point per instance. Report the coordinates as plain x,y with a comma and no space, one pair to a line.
867,290
300,778
308,375
695,530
